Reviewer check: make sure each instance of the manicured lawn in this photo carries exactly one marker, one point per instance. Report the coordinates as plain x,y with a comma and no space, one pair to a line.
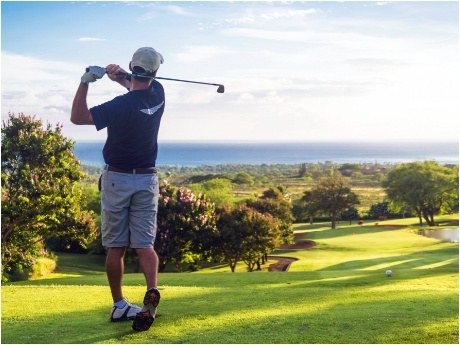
337,292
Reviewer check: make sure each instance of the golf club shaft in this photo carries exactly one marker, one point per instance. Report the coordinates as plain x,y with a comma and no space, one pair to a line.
221,87
188,81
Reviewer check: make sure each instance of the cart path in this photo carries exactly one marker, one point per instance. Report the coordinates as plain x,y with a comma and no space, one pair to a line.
283,263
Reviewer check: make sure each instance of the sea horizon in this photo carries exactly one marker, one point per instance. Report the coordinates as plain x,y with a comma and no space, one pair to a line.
288,141
213,152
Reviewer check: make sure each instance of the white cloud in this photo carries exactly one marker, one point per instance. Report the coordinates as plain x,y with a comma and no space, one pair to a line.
153,10
200,53
259,16
25,68
278,14
177,10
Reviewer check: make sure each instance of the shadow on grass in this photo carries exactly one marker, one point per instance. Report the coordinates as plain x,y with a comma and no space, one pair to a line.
70,326
347,231
409,261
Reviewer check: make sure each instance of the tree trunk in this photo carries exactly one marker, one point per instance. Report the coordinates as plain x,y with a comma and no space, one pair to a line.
432,219
426,216
232,266
333,222
419,214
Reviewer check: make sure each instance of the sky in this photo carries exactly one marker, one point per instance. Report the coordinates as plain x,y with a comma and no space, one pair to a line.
293,71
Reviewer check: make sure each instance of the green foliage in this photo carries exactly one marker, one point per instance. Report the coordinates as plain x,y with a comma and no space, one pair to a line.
379,210
40,194
43,267
382,209
273,202
350,214
425,187
243,178
219,190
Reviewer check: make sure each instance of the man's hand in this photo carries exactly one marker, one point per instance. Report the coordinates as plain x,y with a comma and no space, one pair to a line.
115,73
92,74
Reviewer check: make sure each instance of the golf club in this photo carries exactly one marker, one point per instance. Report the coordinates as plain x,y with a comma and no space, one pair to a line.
220,87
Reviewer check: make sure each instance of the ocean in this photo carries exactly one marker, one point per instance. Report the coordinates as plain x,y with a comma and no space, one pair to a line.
192,154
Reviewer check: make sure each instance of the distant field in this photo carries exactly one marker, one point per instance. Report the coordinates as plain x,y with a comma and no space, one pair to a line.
336,292
370,193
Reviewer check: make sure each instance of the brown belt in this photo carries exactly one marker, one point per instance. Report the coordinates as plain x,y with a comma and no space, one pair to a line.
133,171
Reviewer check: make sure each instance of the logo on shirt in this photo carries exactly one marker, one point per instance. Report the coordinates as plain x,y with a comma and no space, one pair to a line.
152,110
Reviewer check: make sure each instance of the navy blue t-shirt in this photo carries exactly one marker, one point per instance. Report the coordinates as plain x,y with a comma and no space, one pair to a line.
132,122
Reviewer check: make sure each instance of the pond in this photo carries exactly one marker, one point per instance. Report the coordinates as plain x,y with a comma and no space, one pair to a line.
450,235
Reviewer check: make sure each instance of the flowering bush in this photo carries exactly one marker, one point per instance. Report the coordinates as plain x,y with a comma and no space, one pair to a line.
186,226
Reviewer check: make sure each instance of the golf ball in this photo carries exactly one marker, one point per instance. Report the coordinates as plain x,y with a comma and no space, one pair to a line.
388,272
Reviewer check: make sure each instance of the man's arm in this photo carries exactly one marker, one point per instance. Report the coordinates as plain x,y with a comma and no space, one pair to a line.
80,114
115,73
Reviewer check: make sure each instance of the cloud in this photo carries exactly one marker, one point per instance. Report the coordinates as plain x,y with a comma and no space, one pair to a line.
21,68
253,16
279,14
155,9
46,88
177,10
200,53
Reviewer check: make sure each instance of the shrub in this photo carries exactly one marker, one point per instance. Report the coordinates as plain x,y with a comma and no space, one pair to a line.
42,267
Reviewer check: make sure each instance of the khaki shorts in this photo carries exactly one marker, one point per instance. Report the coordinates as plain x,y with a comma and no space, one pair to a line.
129,205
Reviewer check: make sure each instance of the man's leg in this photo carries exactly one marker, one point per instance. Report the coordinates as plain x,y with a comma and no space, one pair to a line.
115,267
122,310
148,262
142,223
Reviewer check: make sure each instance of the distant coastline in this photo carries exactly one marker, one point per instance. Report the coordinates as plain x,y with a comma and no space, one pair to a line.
196,153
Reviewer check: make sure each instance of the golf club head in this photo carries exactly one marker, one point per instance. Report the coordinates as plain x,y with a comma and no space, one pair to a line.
220,89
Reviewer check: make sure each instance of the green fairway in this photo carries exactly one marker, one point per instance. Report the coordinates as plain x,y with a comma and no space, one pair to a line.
336,292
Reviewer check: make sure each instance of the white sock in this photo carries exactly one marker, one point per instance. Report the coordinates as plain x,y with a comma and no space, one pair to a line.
120,304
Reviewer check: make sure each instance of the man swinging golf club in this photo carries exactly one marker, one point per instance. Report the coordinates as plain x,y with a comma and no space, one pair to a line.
129,183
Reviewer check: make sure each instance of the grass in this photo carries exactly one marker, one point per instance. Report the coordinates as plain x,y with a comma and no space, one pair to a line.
337,292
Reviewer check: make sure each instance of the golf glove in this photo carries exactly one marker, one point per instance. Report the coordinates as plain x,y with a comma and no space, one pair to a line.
92,74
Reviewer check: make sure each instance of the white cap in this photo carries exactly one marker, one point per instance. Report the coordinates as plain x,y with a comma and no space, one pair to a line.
147,58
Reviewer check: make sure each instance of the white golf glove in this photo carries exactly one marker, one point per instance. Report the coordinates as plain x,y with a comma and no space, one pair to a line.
92,74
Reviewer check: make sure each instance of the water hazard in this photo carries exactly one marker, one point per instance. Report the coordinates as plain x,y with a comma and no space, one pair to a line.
449,235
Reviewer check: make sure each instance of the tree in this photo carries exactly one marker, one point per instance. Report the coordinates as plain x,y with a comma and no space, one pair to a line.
330,196
426,187
243,178
186,227
40,193
305,209
275,203
302,170
219,190
245,234
379,210
350,214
